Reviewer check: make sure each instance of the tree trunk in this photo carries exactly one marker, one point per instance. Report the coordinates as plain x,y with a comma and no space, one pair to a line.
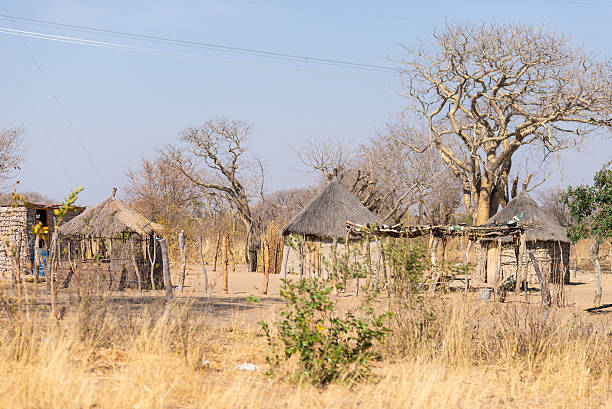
203,268
166,266
594,252
183,257
286,250
484,200
521,264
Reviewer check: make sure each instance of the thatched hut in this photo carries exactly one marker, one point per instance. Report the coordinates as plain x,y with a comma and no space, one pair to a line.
114,244
544,236
312,235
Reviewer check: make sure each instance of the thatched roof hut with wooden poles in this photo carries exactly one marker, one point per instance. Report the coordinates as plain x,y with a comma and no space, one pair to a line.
543,236
319,227
113,244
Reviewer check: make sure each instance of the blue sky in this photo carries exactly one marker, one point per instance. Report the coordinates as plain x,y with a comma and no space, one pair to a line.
124,104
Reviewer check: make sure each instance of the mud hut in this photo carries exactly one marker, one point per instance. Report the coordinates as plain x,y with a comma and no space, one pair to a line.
544,236
112,245
312,236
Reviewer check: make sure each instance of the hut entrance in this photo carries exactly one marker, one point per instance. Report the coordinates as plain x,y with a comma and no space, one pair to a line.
41,216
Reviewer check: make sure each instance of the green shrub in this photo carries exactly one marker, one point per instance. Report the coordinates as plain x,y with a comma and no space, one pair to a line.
326,346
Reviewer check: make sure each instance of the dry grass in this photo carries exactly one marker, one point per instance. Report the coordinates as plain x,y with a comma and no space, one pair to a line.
461,356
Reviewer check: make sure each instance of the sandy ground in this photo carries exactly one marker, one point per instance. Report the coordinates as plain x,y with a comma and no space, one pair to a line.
234,308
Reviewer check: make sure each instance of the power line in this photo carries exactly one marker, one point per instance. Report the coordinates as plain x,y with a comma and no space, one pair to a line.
59,104
211,46
37,113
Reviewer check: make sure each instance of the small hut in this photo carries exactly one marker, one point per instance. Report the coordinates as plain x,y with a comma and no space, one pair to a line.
544,236
113,245
313,234
16,223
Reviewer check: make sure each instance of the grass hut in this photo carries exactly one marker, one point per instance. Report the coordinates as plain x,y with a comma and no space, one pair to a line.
547,239
313,234
113,245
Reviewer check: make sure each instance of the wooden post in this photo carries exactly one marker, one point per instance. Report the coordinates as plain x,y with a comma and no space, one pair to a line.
546,301
521,264
50,271
497,270
203,268
276,251
166,266
183,257
301,249
151,260
346,253
286,250
594,253
134,264
36,258
224,263
432,253
217,250
266,264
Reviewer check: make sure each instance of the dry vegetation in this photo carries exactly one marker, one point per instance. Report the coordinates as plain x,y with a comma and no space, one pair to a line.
457,353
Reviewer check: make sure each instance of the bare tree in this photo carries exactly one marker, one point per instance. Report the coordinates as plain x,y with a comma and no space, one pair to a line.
161,192
551,201
212,157
386,174
486,91
11,152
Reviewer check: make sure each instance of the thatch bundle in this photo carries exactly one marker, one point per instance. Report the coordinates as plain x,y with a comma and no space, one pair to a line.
109,219
545,226
326,215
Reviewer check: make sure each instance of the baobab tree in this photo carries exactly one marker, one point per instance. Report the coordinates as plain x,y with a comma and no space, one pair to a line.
487,91
11,152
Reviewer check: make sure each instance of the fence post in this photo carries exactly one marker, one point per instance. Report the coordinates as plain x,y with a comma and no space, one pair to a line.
166,266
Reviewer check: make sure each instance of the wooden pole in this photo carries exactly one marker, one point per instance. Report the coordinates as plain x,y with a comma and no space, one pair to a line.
497,270
286,250
134,264
203,268
183,257
546,301
166,266
521,264
301,249
224,264
432,253
151,260
217,250
266,264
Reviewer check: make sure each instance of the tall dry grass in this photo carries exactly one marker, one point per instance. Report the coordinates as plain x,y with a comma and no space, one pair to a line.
455,354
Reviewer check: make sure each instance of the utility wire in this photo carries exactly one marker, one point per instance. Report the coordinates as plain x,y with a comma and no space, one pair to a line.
211,46
37,113
57,100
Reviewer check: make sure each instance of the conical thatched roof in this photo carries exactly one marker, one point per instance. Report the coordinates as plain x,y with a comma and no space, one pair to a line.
109,219
326,215
548,229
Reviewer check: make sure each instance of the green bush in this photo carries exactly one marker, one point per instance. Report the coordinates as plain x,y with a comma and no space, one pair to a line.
326,346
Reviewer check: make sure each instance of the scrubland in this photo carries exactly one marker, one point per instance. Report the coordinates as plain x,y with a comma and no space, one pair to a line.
444,351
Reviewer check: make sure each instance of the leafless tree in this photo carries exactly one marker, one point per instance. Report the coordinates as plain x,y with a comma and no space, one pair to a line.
213,158
11,152
486,91
550,201
161,192
385,174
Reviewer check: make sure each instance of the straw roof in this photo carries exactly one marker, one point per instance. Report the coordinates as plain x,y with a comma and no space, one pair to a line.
109,219
326,215
546,226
